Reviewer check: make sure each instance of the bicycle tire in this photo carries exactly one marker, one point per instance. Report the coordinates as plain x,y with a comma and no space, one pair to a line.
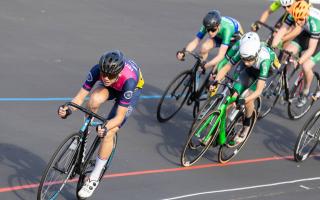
299,153
60,153
292,95
185,92
184,158
90,163
222,155
266,108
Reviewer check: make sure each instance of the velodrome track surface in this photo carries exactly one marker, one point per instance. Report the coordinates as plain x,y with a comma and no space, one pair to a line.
47,48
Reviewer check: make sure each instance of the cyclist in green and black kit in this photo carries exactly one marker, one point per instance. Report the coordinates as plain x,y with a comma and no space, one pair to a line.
222,32
306,33
275,6
255,60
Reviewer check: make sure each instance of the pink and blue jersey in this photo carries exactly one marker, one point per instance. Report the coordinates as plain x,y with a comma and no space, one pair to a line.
123,89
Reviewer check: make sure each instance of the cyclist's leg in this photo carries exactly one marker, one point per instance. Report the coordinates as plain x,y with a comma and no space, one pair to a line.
98,96
206,47
308,75
308,69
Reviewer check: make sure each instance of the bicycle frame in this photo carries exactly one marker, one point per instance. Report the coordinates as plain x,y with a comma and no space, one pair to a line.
80,158
221,120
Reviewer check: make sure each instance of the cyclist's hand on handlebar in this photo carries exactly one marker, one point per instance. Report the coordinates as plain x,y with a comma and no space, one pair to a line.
102,130
240,102
255,26
64,111
181,54
213,85
201,68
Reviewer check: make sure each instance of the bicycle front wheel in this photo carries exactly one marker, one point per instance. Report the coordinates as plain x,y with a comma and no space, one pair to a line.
270,96
90,161
295,111
174,96
308,138
60,168
200,138
230,149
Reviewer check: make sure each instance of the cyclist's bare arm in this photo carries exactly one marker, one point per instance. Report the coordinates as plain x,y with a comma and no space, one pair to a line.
118,119
313,42
222,73
190,47
279,35
265,15
292,34
80,96
193,44
78,99
221,53
257,92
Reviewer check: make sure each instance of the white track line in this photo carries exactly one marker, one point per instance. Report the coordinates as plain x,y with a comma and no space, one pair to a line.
243,188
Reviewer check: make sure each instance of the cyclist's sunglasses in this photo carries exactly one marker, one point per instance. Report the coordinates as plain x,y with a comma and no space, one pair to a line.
249,59
287,7
213,29
109,76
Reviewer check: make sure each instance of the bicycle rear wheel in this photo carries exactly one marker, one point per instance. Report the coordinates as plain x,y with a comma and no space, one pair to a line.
228,150
200,139
90,161
308,138
294,111
60,168
270,96
174,96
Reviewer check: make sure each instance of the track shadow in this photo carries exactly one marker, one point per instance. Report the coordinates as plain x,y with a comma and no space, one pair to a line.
28,168
173,132
280,140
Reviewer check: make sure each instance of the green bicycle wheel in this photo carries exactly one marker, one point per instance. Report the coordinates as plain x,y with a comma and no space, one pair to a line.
230,149
200,139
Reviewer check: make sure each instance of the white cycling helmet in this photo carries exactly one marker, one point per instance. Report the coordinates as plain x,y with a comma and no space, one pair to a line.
249,49
287,2
250,36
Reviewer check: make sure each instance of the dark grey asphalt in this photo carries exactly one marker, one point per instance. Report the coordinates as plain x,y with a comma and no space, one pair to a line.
47,48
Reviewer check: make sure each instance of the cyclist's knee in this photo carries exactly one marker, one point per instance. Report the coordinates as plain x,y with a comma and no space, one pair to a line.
308,65
111,134
96,99
206,47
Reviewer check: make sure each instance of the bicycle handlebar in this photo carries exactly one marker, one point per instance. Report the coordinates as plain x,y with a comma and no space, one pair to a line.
86,111
272,29
195,55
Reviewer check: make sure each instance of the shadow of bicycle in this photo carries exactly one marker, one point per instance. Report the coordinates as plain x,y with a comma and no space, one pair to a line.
27,170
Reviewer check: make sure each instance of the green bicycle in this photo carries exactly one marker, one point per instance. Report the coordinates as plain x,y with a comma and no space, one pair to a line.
215,127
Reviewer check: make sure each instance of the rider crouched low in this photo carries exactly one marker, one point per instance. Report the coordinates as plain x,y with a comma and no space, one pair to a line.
255,60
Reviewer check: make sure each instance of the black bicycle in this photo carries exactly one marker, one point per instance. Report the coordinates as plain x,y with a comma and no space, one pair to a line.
308,138
186,87
73,158
287,82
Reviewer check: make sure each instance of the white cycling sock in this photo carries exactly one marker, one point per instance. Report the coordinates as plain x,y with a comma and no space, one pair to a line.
95,174
305,92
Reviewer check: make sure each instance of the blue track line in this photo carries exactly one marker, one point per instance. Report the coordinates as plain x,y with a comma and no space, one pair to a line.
143,97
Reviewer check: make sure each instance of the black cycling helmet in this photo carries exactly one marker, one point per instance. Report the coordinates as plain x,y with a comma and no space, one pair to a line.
212,20
112,62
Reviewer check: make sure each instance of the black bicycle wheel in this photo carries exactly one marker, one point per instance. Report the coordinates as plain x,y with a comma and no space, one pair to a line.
270,96
60,168
174,96
294,111
308,138
229,149
90,161
195,146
